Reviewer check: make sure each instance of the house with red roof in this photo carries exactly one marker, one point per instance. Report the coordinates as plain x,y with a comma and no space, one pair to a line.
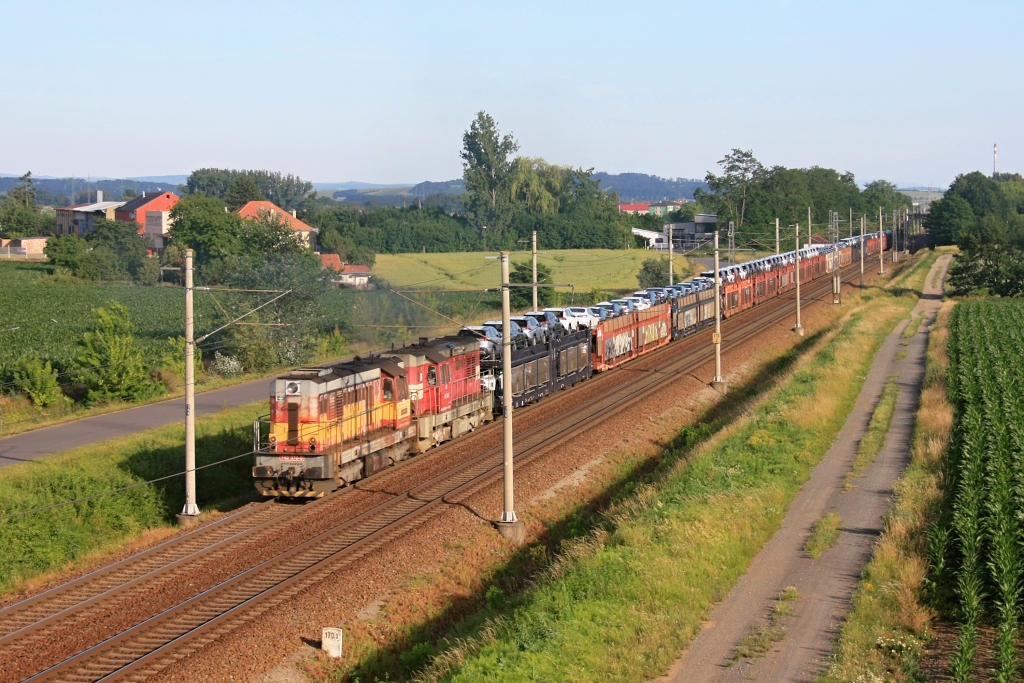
634,208
271,211
152,212
345,274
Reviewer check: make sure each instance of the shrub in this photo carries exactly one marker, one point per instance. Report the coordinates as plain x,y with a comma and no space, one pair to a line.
38,380
111,363
226,366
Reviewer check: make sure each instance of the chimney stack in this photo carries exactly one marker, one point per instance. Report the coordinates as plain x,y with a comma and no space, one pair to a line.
99,196
293,214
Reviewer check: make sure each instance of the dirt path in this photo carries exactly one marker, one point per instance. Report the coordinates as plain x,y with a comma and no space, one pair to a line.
824,586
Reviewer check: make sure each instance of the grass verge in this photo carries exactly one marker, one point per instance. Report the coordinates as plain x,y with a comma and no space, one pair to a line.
824,534
883,636
878,428
625,597
47,541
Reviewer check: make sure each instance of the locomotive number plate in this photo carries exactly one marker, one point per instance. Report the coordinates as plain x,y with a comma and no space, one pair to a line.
293,458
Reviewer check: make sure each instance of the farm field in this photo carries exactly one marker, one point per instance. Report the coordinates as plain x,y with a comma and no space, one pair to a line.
976,553
48,317
587,269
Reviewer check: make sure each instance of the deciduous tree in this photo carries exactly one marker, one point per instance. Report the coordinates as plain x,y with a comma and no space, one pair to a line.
653,273
110,362
487,163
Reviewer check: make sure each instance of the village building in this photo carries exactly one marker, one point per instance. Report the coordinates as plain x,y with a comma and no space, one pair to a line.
80,219
269,211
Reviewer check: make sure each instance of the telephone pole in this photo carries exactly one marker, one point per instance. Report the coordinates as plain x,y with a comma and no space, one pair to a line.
776,236
509,526
671,261
534,271
863,246
190,513
837,268
895,236
881,244
808,228
718,383
732,243
799,329
851,221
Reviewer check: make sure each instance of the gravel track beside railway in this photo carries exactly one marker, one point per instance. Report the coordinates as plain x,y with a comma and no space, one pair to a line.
336,510
824,585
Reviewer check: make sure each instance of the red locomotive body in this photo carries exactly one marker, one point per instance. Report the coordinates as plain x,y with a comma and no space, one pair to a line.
445,385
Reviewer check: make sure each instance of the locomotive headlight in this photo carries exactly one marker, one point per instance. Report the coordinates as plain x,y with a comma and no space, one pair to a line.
312,445
292,388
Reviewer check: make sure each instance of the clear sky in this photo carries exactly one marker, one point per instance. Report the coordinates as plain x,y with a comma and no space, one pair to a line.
915,92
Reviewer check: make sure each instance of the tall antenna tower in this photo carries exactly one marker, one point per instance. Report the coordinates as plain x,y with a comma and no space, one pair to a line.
995,160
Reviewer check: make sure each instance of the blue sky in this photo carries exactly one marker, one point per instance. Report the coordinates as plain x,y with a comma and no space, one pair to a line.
381,92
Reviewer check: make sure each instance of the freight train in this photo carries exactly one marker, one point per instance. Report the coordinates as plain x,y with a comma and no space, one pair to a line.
331,425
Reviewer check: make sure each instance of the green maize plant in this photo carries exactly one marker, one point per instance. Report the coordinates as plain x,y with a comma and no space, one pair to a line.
981,536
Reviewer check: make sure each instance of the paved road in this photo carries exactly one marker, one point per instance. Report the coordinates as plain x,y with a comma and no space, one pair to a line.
48,440
824,585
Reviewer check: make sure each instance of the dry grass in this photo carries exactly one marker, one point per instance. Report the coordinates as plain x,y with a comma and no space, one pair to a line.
884,634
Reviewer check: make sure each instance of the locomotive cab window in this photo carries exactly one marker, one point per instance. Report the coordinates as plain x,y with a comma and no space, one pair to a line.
432,376
403,388
389,390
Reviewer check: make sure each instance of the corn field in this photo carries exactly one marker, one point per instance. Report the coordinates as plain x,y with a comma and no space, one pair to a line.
978,552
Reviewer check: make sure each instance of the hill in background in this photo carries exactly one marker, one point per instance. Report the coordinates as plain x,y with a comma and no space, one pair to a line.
640,187
632,187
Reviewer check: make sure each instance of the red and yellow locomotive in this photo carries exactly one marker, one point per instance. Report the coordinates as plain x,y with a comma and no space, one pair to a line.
333,424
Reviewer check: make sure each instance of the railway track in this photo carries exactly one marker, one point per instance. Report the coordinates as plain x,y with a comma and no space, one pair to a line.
161,639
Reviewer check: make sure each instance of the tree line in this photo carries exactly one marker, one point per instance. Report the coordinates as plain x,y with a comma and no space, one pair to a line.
753,195
984,217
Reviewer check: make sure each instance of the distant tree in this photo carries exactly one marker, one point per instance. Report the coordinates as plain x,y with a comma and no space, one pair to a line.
521,298
24,192
346,248
991,259
19,215
684,214
740,171
949,220
653,273
881,193
129,193
243,190
286,190
487,163
122,240
202,224
66,251
981,192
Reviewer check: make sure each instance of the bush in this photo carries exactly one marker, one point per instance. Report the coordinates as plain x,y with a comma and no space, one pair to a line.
111,363
38,380
226,366
653,273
